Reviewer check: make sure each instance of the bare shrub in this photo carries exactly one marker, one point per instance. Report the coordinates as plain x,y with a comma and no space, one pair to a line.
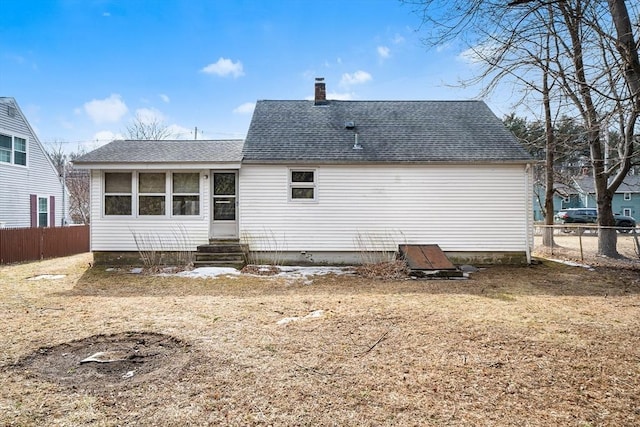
264,247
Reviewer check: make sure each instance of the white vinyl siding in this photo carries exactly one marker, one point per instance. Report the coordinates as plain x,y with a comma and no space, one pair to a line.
18,182
177,233
459,207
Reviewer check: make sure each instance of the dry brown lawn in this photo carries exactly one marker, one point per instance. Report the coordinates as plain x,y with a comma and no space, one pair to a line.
542,345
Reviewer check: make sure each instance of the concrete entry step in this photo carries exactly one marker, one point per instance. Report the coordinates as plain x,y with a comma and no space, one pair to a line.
425,257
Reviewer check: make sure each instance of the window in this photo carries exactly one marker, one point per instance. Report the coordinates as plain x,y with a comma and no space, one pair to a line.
302,185
152,197
13,149
627,196
186,193
117,193
43,211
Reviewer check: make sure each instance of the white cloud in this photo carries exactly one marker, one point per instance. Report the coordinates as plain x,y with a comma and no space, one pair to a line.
398,39
224,67
358,77
108,110
165,98
480,53
149,115
340,96
181,132
246,108
384,52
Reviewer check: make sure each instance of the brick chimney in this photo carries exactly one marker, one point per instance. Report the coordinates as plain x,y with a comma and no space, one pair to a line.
321,92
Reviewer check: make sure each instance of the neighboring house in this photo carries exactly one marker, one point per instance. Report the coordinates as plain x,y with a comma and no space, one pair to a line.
323,181
626,200
564,197
32,193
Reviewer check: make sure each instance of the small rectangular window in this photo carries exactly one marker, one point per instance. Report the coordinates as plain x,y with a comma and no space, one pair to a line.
6,147
627,196
186,193
19,151
151,193
117,193
43,211
13,149
302,185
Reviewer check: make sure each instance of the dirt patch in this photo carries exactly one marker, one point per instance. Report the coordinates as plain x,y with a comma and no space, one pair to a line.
103,362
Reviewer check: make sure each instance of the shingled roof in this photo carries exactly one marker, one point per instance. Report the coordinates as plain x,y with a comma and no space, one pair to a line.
388,131
165,151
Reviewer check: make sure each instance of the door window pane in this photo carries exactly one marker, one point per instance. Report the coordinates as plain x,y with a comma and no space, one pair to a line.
224,208
224,184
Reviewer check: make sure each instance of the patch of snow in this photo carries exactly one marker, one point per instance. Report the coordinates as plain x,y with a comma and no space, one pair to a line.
304,272
137,270
313,315
48,277
203,272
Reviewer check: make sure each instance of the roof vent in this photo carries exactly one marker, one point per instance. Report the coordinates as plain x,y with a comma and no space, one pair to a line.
356,144
349,124
11,111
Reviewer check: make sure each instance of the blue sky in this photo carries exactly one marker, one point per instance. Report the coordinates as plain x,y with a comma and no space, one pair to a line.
81,70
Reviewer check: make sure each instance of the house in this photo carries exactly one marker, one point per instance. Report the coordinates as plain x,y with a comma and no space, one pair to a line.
626,200
323,181
32,194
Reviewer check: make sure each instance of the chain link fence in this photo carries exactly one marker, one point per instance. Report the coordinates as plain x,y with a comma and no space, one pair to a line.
579,242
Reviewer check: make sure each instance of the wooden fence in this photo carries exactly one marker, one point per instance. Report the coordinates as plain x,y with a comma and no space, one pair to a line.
29,244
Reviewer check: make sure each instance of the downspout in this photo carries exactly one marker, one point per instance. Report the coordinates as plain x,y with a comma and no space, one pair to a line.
528,208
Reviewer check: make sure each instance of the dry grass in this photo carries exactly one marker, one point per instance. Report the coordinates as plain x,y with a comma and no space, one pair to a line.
530,346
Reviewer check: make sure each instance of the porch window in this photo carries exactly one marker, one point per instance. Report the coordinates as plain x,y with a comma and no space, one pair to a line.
117,193
13,149
302,185
186,193
43,211
152,196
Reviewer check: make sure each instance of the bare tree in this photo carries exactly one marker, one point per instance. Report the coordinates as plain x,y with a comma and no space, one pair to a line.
565,55
77,183
147,128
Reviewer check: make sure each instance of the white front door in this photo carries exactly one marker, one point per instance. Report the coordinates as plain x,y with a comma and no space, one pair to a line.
224,203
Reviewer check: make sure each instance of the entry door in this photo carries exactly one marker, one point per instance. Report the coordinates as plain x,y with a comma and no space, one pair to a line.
224,222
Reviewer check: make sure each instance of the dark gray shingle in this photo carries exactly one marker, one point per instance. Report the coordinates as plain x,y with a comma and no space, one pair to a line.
166,151
388,131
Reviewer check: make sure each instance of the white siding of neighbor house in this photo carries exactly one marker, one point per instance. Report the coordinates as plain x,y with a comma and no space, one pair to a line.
17,182
167,233
459,207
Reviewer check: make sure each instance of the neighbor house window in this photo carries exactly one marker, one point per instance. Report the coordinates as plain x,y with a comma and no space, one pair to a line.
302,185
152,198
627,196
13,149
186,193
43,211
117,193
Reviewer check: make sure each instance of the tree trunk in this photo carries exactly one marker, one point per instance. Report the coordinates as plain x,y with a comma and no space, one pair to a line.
550,149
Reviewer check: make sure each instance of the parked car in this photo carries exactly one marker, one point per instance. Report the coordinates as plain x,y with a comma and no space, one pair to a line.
590,216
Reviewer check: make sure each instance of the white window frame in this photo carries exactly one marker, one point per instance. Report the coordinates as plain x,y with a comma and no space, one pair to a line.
12,151
626,211
172,193
626,196
168,194
302,185
40,212
139,194
132,194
